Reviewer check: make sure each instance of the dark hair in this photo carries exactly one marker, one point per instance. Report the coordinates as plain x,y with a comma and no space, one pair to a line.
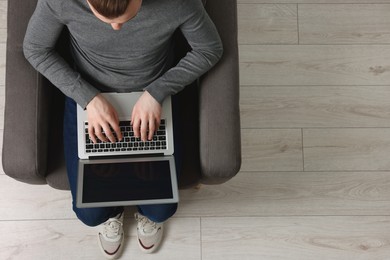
110,8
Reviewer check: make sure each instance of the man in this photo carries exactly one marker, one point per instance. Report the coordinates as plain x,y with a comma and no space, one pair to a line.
119,46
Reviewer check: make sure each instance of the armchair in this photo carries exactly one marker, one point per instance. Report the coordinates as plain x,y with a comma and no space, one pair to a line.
32,142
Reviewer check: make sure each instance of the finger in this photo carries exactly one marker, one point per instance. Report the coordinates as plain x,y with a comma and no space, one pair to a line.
108,133
117,130
152,128
144,130
158,122
132,120
136,126
99,134
115,126
91,133
110,136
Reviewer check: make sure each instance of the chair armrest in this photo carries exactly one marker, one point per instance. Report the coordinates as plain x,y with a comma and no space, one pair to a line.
220,138
25,118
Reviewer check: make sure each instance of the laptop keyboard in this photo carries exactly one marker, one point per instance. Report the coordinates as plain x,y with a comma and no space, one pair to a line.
129,141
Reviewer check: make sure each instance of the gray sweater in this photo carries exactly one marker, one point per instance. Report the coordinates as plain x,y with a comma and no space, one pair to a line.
135,58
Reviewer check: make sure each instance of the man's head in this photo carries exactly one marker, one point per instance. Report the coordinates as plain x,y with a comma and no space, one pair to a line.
115,12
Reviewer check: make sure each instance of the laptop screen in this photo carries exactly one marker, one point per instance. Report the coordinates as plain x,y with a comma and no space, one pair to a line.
126,181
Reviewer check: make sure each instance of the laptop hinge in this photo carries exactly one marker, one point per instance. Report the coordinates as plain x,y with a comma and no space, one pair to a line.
125,156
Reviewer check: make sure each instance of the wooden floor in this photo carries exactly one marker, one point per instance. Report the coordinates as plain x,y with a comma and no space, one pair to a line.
315,178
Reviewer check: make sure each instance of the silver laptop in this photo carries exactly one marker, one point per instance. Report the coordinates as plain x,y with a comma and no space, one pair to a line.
129,172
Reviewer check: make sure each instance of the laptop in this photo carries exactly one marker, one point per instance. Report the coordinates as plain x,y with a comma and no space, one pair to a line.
129,172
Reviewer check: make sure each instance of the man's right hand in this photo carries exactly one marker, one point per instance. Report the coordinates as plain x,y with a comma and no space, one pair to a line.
102,117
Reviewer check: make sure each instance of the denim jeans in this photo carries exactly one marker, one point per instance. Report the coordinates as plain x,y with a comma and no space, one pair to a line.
96,216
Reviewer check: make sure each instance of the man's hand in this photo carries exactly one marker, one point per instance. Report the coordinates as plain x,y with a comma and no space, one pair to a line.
146,117
102,117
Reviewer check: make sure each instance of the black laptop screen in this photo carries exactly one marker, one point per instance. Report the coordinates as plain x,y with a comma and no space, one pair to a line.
126,181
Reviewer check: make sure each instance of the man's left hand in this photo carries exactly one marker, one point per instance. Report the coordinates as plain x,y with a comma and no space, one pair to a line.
146,117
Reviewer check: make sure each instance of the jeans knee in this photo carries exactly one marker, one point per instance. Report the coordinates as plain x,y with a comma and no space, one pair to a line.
95,216
87,218
158,213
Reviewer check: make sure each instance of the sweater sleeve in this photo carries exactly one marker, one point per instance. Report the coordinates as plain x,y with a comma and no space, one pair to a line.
202,36
43,30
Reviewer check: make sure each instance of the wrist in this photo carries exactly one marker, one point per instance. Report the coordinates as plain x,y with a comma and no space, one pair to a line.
156,95
94,100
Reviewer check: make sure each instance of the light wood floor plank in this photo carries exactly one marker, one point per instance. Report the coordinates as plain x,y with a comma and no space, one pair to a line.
271,150
318,106
291,194
69,239
251,193
315,65
3,21
1,152
2,64
3,35
344,24
267,24
20,201
346,149
3,14
296,238
3,39
2,106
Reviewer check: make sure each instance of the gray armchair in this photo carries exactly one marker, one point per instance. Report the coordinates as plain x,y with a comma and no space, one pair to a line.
32,144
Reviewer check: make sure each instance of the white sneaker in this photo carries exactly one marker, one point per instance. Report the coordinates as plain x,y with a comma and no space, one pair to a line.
110,237
149,233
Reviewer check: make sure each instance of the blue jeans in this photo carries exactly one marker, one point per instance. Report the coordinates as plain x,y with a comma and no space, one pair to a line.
97,216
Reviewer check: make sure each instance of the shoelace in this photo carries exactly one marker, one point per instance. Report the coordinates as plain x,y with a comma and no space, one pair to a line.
112,228
147,225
